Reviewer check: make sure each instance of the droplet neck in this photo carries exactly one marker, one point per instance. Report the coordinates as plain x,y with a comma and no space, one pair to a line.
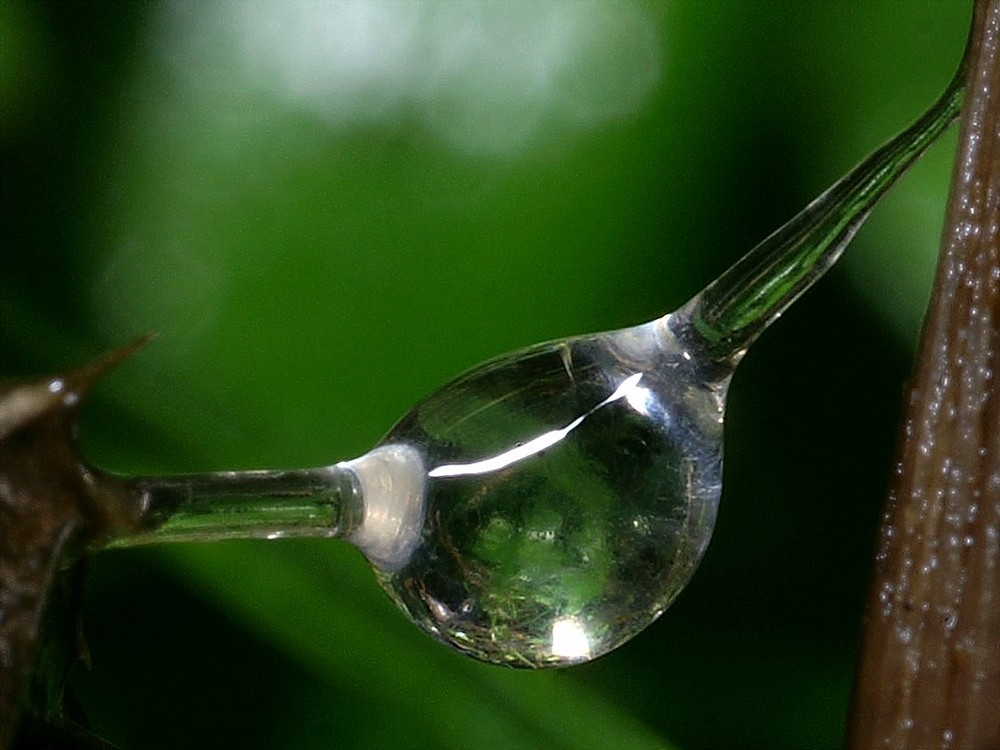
733,310
695,355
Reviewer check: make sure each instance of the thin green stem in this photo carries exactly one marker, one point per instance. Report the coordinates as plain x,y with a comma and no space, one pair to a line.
241,505
732,311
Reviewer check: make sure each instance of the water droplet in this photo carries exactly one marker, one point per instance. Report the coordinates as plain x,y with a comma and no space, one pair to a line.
565,506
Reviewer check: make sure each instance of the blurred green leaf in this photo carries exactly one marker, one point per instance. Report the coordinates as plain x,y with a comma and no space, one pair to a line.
306,601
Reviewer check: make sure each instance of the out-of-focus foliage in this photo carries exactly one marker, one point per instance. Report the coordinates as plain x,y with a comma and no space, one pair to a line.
328,209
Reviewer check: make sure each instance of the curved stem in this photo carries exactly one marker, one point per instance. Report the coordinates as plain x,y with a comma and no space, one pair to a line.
732,311
248,504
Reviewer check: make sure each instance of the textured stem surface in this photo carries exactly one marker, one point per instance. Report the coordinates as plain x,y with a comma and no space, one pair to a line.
929,672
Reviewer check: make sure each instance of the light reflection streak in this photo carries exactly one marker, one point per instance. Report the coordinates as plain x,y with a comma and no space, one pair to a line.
538,444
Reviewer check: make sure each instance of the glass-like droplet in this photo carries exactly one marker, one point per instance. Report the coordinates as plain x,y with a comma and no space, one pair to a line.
571,490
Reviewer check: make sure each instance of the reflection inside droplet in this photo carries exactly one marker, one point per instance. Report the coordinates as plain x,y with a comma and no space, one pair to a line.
569,639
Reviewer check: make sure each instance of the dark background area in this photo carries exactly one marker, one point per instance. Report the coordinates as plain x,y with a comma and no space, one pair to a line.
320,249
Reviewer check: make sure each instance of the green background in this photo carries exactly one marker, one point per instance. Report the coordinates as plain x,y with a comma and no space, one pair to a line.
319,251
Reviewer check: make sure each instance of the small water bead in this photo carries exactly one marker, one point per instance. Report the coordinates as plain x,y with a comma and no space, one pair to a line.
569,493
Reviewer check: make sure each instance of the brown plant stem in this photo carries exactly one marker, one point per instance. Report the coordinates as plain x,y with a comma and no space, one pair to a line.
929,671
51,504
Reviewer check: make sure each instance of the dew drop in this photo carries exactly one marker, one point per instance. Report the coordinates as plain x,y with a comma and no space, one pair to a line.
564,506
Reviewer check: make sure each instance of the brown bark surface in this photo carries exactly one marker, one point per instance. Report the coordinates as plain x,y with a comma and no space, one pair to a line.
51,504
929,672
